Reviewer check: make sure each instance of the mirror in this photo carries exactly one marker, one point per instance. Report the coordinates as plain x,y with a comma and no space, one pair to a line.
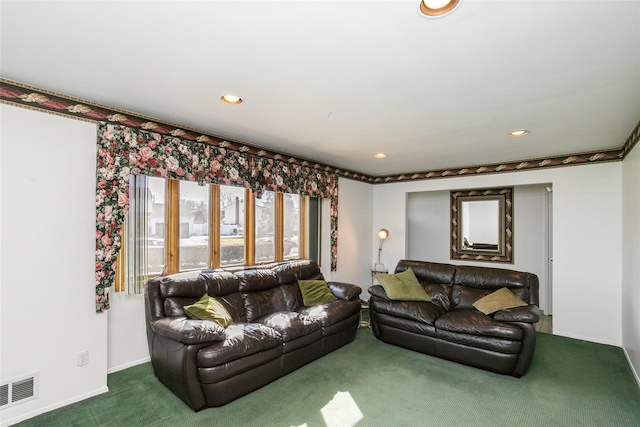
482,224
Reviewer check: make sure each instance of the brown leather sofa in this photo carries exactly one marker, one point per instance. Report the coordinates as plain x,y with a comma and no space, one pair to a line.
450,327
272,333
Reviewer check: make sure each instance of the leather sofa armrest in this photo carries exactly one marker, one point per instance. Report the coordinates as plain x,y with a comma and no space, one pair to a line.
345,291
188,331
378,291
528,314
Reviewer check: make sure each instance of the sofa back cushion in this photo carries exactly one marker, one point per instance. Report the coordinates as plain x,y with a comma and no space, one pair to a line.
261,293
225,286
183,287
178,290
435,278
429,272
288,275
472,283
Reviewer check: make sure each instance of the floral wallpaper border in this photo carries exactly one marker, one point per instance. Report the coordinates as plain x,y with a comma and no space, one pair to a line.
122,151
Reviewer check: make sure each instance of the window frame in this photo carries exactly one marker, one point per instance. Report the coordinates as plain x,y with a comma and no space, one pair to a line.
172,231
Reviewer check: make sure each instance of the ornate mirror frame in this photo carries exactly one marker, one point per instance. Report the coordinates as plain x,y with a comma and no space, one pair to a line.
463,250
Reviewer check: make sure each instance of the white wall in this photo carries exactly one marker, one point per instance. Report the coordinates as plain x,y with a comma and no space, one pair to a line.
429,226
355,204
127,333
631,259
587,243
47,305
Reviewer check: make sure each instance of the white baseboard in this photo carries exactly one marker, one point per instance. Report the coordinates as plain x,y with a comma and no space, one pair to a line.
128,365
633,368
57,405
588,339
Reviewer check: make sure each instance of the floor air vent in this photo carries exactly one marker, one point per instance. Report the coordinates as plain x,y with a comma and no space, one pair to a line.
18,390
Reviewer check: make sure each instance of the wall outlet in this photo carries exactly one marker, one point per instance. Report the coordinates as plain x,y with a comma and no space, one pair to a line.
83,358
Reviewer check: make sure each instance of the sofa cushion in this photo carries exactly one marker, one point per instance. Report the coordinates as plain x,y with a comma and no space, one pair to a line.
256,279
429,272
420,311
463,297
260,304
403,286
292,271
188,331
473,322
491,279
499,345
333,312
220,282
240,340
406,324
498,300
315,292
209,308
290,325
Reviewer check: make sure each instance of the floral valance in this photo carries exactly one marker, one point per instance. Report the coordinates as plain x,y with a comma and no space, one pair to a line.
122,151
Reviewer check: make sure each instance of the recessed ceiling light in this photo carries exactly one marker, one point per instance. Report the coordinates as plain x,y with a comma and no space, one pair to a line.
433,8
380,155
231,99
517,133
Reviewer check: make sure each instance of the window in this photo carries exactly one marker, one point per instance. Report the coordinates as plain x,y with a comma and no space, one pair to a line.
155,241
232,222
143,253
181,231
265,227
193,250
291,225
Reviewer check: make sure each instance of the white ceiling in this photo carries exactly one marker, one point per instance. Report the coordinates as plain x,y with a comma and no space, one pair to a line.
338,81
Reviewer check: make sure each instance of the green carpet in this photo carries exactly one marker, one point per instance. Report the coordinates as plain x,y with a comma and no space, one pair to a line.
370,383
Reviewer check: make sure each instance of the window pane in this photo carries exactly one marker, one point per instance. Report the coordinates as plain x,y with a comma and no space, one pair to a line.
155,239
291,224
194,226
265,226
231,225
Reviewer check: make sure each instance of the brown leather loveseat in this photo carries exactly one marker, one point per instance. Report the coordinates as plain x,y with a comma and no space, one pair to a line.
272,332
451,327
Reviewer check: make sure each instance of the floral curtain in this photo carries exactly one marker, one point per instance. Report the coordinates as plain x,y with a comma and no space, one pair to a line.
122,151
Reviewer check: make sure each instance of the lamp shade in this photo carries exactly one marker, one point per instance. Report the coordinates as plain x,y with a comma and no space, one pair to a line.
383,233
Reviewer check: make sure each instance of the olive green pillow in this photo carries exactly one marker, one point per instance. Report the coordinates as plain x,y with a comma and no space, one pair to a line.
498,300
209,308
315,292
403,286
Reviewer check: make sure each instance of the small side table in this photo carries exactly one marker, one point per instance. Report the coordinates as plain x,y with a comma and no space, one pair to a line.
365,304
374,272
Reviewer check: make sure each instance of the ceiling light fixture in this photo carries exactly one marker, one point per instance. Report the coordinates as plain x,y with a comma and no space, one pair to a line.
434,8
517,133
231,99
380,155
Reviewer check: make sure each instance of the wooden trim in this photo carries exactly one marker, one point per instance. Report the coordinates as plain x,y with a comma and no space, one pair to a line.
302,227
278,232
172,226
120,261
249,227
214,226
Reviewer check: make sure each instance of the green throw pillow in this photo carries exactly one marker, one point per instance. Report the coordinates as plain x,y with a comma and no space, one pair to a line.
403,286
315,292
208,308
498,300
